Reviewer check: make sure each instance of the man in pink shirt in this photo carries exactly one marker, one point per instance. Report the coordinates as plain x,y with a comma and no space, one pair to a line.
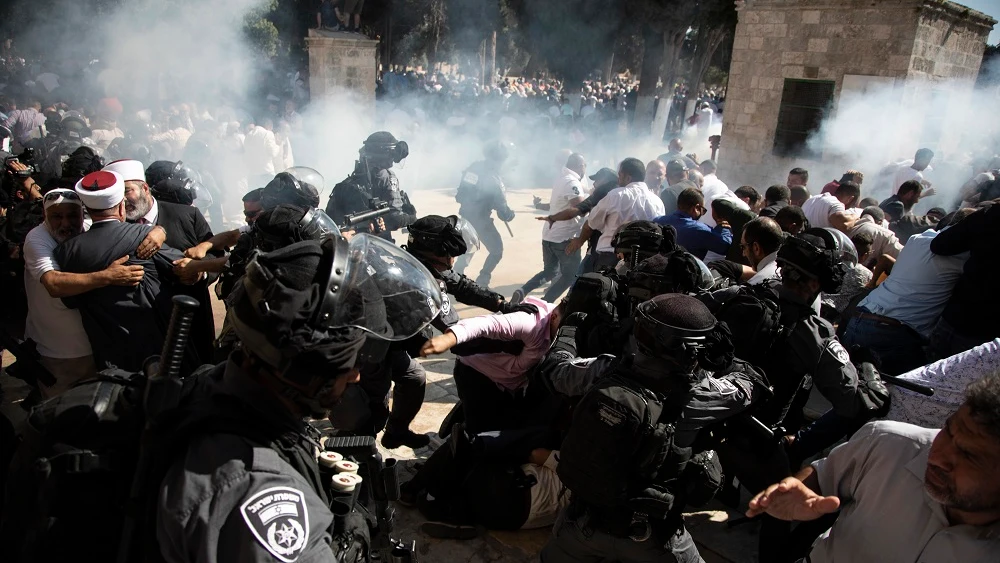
495,389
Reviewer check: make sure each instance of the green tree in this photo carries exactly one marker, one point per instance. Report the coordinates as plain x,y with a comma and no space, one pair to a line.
260,32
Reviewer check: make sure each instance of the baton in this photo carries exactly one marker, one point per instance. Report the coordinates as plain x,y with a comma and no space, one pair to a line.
909,385
508,229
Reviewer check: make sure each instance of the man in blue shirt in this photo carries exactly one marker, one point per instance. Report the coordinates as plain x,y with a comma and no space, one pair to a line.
696,237
895,320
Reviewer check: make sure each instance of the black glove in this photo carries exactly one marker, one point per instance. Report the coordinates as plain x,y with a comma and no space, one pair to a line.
507,307
576,319
505,214
872,391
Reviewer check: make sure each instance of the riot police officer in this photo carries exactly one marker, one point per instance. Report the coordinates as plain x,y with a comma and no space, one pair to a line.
308,315
479,194
627,454
438,242
374,185
782,333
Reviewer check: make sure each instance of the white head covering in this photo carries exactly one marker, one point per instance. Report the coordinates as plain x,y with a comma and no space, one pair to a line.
129,170
101,190
58,196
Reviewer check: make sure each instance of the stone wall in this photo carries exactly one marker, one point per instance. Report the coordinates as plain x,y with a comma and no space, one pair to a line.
948,43
823,40
342,63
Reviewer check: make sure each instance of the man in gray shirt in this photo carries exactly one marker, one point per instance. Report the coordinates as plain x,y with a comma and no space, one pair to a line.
677,181
905,493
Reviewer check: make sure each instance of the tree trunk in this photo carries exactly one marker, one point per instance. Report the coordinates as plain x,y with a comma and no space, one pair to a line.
649,73
491,60
673,41
608,67
705,48
436,19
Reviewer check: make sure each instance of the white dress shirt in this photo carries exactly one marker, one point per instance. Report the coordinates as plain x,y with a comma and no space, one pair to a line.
633,202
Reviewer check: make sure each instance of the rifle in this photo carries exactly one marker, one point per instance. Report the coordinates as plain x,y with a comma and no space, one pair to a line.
379,486
163,393
380,208
907,384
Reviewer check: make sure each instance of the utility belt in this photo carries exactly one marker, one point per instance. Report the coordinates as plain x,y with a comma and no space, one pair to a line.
624,522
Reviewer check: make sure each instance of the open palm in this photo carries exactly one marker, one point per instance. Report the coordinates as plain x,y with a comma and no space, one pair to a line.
792,500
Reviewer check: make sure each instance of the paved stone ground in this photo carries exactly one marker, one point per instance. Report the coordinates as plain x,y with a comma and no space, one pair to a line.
522,259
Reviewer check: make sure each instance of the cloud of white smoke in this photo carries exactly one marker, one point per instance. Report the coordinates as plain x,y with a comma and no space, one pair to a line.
885,123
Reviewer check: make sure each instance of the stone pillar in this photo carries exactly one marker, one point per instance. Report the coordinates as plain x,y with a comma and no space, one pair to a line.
342,63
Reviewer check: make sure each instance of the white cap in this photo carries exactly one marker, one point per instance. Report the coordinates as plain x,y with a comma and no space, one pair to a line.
101,190
130,170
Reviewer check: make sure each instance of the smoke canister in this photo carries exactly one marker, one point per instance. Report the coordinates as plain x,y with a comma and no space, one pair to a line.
329,460
344,466
345,482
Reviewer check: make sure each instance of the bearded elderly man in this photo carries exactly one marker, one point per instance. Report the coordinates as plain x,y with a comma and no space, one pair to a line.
57,331
185,228
905,493
125,324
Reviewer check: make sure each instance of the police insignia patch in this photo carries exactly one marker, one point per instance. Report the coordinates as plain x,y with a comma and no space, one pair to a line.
838,352
279,520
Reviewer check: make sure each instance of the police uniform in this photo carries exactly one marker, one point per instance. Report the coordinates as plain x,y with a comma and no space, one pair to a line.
229,498
480,193
247,486
373,179
692,399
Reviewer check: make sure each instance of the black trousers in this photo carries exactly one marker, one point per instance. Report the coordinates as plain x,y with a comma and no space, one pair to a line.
488,407
470,487
410,380
490,237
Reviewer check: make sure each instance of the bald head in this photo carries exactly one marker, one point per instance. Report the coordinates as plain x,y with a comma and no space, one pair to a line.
656,173
577,163
675,145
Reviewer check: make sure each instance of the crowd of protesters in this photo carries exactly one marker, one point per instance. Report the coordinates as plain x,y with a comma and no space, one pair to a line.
110,210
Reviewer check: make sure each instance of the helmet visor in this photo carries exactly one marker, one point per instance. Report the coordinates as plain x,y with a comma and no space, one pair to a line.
308,175
379,288
318,225
469,235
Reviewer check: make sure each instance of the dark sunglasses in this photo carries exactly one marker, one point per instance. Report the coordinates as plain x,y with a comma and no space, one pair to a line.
54,196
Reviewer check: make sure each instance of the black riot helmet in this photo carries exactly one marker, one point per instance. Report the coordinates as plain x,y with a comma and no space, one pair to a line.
646,236
310,311
81,162
74,126
435,235
382,149
677,272
497,151
287,224
286,188
812,254
673,328
175,182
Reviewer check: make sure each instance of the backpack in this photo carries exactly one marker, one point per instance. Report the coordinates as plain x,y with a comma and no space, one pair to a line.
620,445
70,484
595,295
753,313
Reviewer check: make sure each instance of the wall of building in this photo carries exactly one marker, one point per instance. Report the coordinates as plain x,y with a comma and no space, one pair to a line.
342,63
896,40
